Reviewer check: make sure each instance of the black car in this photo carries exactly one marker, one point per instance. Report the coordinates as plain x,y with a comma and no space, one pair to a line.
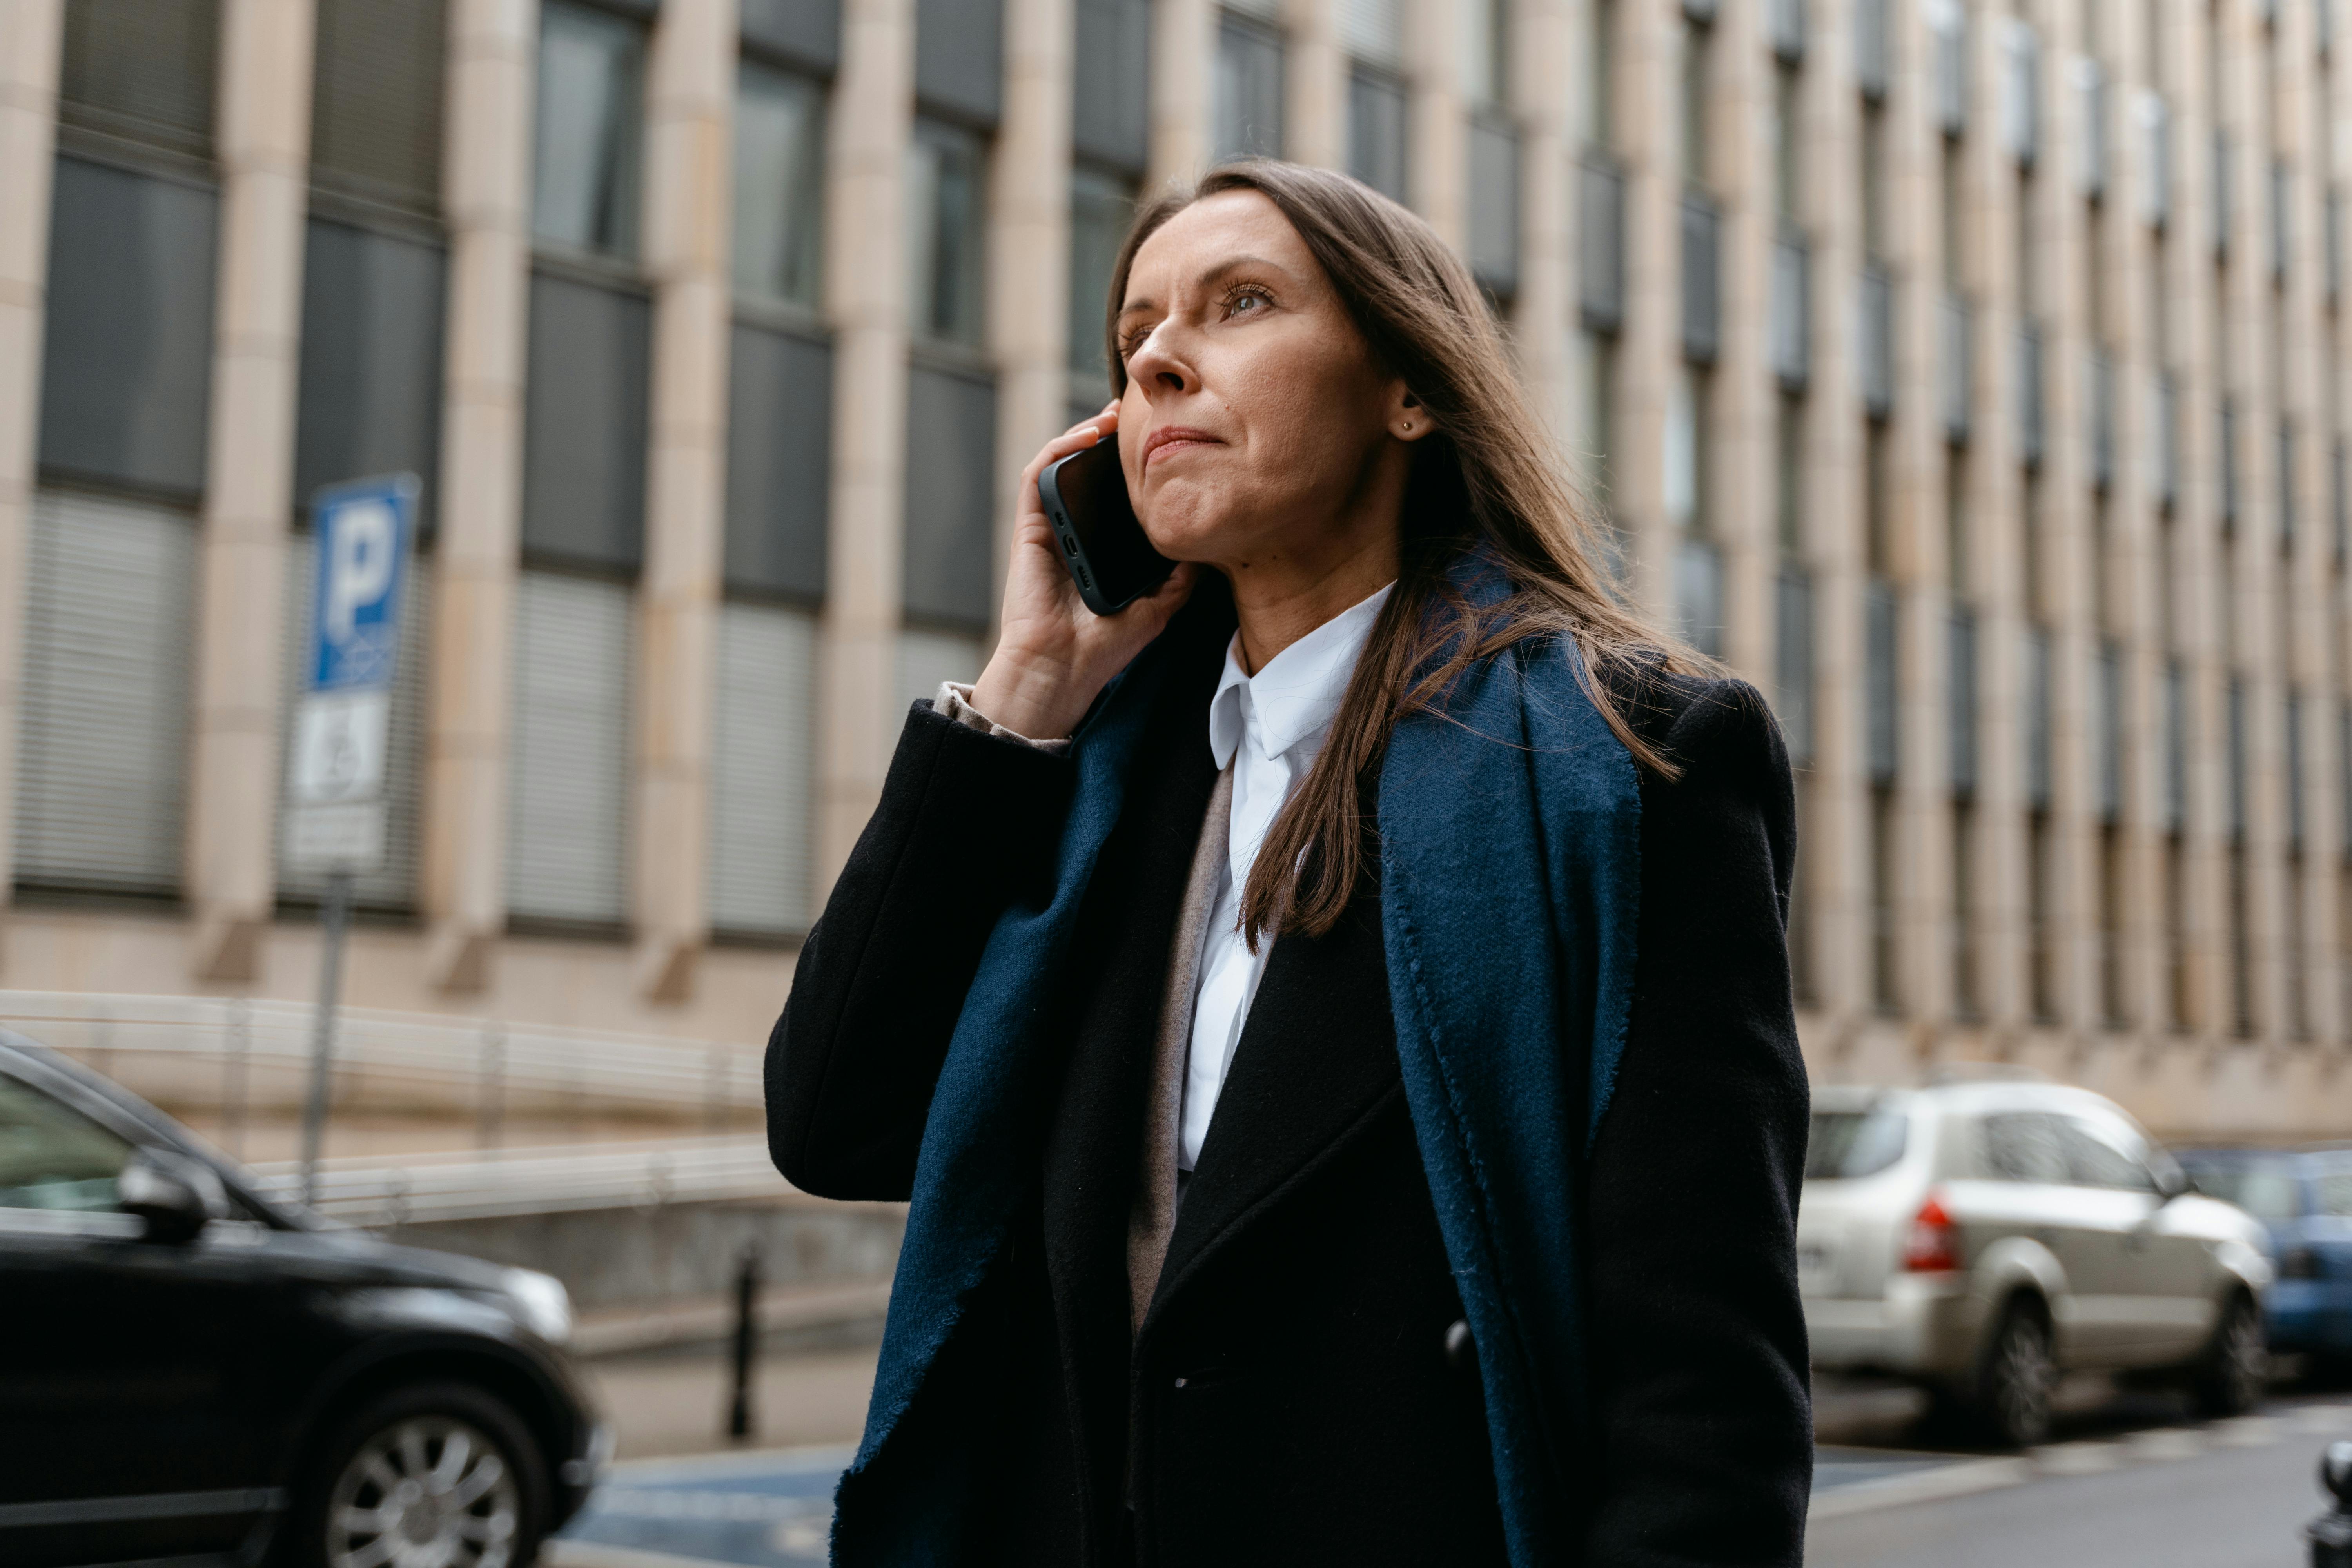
192,1372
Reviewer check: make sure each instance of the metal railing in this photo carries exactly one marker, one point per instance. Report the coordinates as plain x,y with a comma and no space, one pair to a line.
369,1190
487,1058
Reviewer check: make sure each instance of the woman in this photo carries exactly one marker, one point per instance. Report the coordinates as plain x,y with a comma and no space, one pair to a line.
1332,1017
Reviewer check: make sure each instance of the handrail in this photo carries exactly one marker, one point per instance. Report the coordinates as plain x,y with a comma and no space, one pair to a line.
368,1190
490,1053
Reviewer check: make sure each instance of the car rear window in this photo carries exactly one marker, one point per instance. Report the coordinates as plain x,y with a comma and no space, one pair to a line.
1845,1144
2265,1194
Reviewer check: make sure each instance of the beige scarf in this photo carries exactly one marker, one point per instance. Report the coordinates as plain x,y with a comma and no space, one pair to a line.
1152,1218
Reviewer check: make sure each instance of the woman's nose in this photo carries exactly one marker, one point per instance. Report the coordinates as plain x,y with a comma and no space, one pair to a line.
1160,363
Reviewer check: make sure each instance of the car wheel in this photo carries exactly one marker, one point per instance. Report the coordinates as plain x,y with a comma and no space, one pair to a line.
438,1475
2018,1377
2232,1372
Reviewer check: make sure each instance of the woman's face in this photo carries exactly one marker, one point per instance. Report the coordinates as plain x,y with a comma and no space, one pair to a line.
1255,430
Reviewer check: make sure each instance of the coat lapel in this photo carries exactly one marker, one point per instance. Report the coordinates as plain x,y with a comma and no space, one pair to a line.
1316,1059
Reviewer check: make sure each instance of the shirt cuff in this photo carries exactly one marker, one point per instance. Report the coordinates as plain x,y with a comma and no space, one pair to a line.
954,701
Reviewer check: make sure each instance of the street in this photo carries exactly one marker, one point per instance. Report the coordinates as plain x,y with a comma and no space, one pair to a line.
2131,1479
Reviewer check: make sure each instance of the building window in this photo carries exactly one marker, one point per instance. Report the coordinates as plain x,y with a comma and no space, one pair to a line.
2042,933
102,750
763,769
590,114
1249,89
2176,935
568,752
2112,892
1696,36
1376,113
1596,98
1966,995
375,100
1788,142
779,186
1885,952
1487,50
144,70
947,213
1102,205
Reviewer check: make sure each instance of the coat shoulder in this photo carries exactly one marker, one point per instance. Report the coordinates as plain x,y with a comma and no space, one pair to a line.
1712,727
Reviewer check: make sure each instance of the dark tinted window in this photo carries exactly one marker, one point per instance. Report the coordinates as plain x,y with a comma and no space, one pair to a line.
2271,1194
54,1157
1845,1144
2024,1146
2100,1154
2333,1191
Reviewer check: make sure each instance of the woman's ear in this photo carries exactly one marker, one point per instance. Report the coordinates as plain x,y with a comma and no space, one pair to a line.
1407,420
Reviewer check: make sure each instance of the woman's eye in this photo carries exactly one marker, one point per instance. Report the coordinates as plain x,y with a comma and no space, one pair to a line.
1247,302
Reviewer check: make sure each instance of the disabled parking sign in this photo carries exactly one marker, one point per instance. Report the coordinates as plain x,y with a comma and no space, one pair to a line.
343,707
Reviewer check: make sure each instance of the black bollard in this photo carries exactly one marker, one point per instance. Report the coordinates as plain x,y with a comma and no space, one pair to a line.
747,1342
2331,1533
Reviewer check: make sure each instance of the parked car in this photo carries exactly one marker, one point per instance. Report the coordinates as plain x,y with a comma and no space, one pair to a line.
2304,1196
192,1368
1981,1238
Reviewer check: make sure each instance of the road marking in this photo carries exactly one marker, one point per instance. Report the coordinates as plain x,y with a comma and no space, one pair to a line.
1956,1479
2083,1459
2166,1443
2248,1432
562,1553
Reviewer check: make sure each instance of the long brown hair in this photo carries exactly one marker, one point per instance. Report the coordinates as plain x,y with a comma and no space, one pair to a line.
1487,474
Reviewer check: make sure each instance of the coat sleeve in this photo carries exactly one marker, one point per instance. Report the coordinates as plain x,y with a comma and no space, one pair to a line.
1699,1366
966,825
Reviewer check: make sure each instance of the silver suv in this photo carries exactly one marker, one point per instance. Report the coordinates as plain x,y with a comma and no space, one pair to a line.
1981,1238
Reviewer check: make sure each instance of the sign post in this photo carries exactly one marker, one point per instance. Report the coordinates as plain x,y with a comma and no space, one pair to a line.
342,722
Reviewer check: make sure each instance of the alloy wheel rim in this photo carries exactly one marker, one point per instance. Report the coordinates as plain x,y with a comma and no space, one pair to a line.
430,1492
2245,1353
2024,1391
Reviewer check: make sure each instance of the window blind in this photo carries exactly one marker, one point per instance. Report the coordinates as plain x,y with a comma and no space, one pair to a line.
567,764
762,769
101,763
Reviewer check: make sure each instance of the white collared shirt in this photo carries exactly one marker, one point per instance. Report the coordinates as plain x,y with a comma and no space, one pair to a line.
1268,728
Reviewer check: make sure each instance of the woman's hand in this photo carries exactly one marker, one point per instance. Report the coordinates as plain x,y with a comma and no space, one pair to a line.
1054,654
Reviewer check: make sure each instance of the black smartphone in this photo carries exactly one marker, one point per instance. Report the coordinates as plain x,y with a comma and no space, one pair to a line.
1106,549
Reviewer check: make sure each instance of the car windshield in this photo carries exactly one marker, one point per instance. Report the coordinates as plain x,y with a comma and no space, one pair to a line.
2265,1194
53,1157
1844,1144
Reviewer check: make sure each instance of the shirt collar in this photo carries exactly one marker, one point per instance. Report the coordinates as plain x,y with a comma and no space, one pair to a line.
1297,695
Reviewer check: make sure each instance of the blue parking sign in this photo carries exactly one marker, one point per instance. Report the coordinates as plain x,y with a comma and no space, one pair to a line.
342,716
361,571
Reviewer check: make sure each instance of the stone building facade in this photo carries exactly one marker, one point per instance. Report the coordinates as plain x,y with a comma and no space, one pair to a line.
1967,374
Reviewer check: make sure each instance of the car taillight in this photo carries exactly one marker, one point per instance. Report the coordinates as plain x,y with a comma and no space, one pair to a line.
2299,1263
1932,1245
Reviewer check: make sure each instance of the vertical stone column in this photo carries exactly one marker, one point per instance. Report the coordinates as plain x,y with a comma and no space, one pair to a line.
1029,247
1184,89
1544,68
1831,505
1314,84
1650,341
866,282
1746,395
486,185
2132,509
264,146
1438,159
689,194
30,33
2204,378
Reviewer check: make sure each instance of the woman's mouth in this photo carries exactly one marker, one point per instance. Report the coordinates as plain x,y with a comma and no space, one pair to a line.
1173,439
